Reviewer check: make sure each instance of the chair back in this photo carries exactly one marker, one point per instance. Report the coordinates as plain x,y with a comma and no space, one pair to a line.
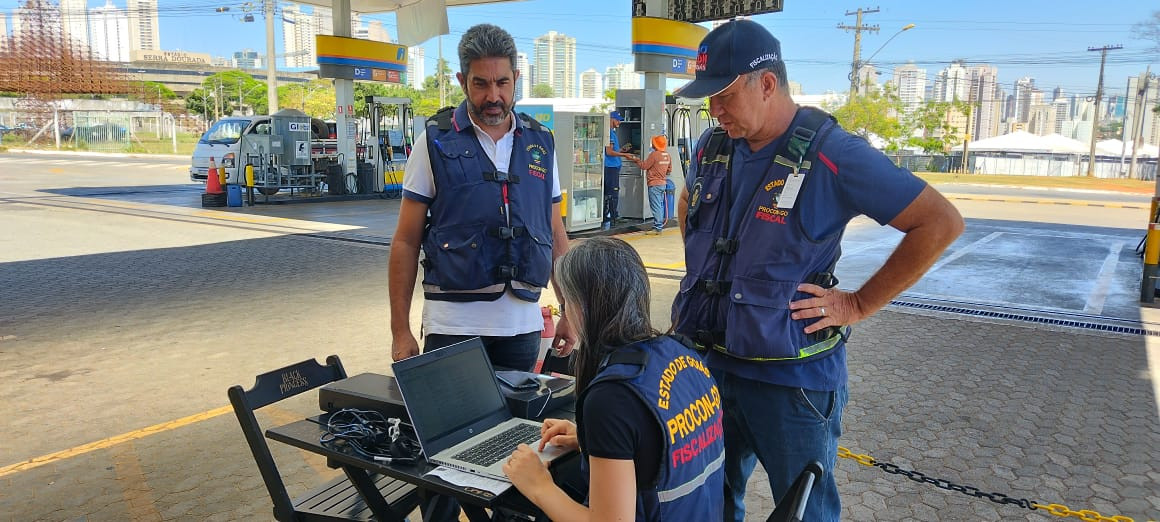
791,507
556,364
269,388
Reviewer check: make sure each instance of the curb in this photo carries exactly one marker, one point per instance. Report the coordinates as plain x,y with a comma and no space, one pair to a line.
1080,203
99,154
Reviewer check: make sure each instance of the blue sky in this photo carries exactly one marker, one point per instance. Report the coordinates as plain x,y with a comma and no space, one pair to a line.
1046,40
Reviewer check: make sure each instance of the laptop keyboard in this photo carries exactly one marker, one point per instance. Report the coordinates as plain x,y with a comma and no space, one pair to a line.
501,445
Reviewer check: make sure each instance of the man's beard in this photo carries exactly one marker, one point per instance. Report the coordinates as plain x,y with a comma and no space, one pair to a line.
488,119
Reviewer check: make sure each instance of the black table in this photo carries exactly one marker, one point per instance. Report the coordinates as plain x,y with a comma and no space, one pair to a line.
304,434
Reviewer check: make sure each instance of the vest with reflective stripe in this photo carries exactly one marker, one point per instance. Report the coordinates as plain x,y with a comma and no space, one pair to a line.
473,252
676,386
749,308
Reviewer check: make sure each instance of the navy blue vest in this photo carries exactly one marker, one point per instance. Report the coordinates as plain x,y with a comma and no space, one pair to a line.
676,386
489,231
738,283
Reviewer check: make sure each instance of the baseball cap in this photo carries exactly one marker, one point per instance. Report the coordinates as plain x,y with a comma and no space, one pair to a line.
735,48
616,116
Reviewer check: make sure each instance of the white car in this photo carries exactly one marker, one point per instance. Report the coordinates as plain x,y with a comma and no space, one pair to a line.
221,142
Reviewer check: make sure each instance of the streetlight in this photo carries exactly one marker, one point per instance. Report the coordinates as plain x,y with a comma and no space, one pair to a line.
858,65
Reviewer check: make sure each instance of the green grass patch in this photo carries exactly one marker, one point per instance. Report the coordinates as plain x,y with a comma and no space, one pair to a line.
1131,186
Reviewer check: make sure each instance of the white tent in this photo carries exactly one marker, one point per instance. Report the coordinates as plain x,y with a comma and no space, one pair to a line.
1115,147
1023,141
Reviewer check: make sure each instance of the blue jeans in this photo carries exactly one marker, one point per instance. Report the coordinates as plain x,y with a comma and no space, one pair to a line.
518,352
611,194
656,201
784,428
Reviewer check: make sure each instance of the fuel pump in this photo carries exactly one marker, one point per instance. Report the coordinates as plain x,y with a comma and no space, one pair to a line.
391,135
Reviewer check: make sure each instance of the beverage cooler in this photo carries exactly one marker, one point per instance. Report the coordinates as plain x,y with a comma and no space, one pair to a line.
580,140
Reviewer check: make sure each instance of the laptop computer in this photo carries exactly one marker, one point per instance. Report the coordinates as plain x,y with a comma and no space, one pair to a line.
460,415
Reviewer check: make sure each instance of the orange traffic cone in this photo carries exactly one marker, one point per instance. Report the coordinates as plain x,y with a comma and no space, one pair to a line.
213,183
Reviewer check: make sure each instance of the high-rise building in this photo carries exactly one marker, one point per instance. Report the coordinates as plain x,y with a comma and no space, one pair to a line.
621,76
143,26
1061,106
951,83
416,67
1041,119
1150,133
555,57
74,22
1056,94
109,32
298,33
524,84
378,33
3,32
868,79
247,59
985,99
910,81
1023,89
591,85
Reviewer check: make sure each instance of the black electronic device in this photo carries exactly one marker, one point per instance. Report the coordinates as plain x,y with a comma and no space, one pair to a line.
365,391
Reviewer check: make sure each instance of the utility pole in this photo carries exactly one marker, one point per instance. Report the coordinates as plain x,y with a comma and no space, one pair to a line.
442,101
271,60
1091,171
857,28
1138,131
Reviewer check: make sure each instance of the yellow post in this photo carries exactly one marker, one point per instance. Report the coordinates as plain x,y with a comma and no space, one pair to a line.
1152,217
1151,263
249,175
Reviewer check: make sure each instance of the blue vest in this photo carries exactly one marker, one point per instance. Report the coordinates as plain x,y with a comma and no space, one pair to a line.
676,386
740,279
489,231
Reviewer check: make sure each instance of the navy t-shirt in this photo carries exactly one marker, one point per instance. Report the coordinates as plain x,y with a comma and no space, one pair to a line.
618,425
850,178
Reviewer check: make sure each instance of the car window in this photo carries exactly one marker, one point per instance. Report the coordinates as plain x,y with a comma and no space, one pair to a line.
225,131
261,128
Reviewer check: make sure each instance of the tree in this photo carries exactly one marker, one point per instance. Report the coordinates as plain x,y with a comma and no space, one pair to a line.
930,119
543,90
1150,30
223,93
873,113
453,95
316,97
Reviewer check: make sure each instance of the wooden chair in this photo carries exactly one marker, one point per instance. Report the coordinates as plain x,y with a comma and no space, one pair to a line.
335,500
791,507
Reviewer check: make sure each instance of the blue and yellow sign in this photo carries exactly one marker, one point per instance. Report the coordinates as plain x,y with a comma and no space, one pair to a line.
355,59
545,114
665,46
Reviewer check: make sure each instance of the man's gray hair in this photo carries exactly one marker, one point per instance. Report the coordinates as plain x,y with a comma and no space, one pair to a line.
485,41
778,70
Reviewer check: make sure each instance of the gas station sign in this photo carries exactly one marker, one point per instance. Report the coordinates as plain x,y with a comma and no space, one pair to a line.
354,59
660,45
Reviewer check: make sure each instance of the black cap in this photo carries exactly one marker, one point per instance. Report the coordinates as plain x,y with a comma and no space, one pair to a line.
735,48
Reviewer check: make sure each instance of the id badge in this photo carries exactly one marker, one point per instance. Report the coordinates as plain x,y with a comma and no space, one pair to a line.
789,193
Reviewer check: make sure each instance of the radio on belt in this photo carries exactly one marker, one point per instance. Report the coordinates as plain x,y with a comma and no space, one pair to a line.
365,391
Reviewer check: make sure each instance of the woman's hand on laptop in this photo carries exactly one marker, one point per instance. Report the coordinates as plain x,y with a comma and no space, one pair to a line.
558,432
527,472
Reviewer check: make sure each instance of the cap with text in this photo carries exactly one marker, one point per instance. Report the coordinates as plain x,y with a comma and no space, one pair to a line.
735,48
616,116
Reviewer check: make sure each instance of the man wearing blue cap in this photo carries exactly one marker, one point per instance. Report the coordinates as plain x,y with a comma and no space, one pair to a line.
766,202
612,163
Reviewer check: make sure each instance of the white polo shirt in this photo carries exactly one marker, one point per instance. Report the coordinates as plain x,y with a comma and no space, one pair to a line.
506,316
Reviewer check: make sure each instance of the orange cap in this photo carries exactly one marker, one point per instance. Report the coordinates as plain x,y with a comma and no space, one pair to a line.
660,142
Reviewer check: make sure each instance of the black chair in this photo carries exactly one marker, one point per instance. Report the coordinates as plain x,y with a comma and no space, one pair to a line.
791,507
337,499
557,364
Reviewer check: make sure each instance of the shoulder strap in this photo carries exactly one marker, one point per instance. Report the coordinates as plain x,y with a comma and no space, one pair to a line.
442,119
719,148
795,149
531,122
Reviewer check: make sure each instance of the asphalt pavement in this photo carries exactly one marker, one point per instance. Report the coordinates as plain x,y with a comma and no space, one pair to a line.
127,310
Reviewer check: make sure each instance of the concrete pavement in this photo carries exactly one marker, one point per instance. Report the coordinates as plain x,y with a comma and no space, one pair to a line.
124,319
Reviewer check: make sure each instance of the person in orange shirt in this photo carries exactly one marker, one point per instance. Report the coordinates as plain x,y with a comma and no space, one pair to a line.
657,167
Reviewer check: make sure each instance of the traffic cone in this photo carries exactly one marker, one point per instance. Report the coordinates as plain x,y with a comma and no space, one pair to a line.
213,183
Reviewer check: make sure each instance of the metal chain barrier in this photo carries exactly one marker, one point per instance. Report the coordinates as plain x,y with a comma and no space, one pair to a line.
1058,510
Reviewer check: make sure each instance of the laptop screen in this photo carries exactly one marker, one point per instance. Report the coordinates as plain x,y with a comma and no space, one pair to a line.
450,390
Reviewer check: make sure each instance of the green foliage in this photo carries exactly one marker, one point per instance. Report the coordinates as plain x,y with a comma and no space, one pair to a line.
874,113
427,103
316,97
225,92
929,128
543,90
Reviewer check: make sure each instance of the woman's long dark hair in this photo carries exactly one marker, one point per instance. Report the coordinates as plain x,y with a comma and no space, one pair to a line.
606,279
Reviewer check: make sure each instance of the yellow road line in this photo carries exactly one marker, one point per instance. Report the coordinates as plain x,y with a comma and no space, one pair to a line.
1075,202
36,462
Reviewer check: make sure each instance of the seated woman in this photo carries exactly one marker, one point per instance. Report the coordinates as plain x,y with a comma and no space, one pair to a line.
648,421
